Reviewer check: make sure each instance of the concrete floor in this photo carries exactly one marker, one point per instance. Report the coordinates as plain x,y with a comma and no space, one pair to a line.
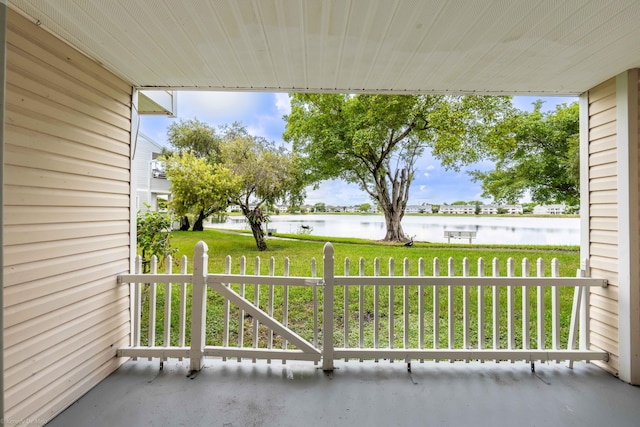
231,394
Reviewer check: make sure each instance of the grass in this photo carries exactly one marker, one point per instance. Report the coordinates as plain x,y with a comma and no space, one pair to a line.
301,249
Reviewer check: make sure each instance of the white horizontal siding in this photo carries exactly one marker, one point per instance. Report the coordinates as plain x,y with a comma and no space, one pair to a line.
148,187
67,222
603,219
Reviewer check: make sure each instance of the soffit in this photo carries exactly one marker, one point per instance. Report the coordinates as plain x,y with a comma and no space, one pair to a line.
420,46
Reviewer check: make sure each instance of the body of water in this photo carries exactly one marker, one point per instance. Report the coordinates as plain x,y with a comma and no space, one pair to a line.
521,230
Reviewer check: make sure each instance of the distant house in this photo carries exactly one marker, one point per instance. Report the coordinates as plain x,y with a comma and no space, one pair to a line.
489,209
549,209
513,209
418,209
458,209
152,185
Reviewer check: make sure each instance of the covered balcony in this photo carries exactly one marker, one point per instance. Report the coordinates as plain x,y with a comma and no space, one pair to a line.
374,394
370,358
72,312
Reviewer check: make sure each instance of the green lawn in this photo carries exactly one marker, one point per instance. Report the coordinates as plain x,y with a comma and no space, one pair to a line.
300,253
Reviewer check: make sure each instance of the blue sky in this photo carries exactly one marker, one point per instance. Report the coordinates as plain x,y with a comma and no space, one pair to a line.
262,114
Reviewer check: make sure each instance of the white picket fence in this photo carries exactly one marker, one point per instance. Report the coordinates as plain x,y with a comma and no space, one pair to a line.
358,317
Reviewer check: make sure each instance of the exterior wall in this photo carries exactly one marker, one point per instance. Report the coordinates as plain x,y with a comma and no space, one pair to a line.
147,187
627,86
603,219
66,225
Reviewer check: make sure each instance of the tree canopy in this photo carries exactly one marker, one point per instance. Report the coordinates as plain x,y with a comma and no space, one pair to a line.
376,140
211,170
199,186
266,173
541,157
194,136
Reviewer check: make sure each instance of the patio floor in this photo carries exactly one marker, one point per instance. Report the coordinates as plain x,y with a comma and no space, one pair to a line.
231,394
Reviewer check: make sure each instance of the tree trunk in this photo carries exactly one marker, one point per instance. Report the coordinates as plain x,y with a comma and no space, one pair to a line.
256,219
184,223
392,195
258,235
394,227
198,224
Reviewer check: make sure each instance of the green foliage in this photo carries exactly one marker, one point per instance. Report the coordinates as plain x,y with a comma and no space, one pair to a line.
153,232
365,207
266,174
199,186
320,207
195,137
541,157
374,141
209,171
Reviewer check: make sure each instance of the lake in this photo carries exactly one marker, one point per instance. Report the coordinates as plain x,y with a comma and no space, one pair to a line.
522,230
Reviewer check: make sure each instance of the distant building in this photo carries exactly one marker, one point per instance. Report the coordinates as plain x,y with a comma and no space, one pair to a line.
549,209
513,209
458,209
152,186
489,209
418,209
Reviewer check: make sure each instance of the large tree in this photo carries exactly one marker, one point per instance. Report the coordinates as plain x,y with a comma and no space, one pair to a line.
211,170
200,141
541,158
199,186
376,140
266,174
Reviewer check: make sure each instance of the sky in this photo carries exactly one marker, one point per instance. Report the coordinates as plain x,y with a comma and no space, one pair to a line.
262,113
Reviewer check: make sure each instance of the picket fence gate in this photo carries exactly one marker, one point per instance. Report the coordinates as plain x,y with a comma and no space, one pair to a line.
365,319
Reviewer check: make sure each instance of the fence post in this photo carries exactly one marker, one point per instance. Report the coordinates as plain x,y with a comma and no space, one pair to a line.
584,312
198,306
327,314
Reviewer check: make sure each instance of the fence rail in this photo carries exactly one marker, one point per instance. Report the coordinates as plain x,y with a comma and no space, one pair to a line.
436,317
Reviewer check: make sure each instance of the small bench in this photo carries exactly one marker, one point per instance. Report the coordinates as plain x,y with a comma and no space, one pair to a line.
459,234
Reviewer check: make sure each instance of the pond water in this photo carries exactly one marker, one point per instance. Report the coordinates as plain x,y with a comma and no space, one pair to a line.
522,230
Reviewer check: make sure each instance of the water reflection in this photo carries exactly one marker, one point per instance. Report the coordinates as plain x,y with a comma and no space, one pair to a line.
490,230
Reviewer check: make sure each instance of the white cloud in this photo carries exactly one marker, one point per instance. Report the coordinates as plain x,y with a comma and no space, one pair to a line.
337,193
283,105
212,106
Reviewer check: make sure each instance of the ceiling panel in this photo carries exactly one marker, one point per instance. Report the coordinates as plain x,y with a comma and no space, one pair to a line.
420,46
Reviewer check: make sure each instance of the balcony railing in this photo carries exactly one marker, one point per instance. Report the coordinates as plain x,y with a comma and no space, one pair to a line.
357,317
